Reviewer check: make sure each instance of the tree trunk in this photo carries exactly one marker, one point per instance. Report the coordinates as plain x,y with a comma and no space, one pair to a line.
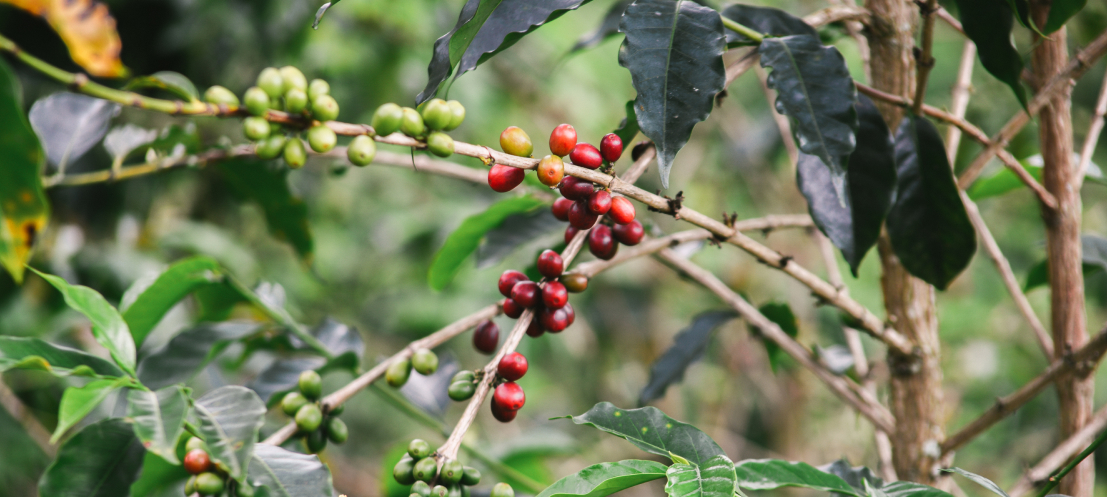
1066,278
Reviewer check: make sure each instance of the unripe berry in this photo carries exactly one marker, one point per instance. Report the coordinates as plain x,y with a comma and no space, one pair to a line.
219,95
574,282
291,77
586,155
512,309
502,490
208,484
311,384
502,415
419,449
452,471
457,114
508,280
270,148
554,295
336,410
421,488
269,80
197,461
257,101
309,417
622,211
398,372
560,208
292,402
460,391
551,170
455,490
471,476
526,294
515,141
318,87
315,441
505,178
556,320
336,430
534,329
579,216
439,491
601,243
611,147
195,443
190,485
324,108
509,396
425,470
321,138
630,233
563,139
403,469
244,489
255,128
436,114
486,337
570,233
412,123
387,119
575,189
361,151
465,376
440,144
512,366
599,202
295,101
550,264
424,361
295,154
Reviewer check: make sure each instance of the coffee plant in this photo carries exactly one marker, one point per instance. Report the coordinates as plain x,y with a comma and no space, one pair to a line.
143,399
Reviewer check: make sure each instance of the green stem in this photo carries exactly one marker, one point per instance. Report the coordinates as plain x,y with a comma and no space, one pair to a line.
742,30
1056,478
281,316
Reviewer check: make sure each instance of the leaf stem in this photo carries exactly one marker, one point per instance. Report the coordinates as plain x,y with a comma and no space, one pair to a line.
1056,478
742,29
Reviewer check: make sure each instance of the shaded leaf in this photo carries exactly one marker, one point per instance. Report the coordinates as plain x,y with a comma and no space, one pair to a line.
188,352
1038,275
929,229
853,221
77,402
171,286
674,51
173,82
23,206
855,476
765,20
1094,255
230,418
715,477
688,347
429,393
122,140
781,314
608,27
69,124
32,353
911,489
158,418
290,474
102,460
1021,11
515,230
283,375
87,29
1060,11
628,128
285,214
507,24
768,474
1004,180
652,431
159,478
599,480
449,48
465,239
988,24
979,480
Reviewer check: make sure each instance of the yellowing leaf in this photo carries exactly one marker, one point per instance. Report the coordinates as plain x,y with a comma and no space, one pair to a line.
23,206
87,29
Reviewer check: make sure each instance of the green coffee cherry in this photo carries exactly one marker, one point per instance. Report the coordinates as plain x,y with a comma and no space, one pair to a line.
244,490
440,144
257,102
398,372
425,469
255,128
190,486
219,95
412,123
471,476
453,490
321,138
193,444
316,441
461,390
424,362
419,449
436,114
457,115
439,491
311,384
502,490
361,151
295,154
292,402
387,119
324,108
337,431
465,376
270,148
402,472
209,484
271,81
292,78
421,488
308,418
464,491
452,471
337,410
295,101
318,87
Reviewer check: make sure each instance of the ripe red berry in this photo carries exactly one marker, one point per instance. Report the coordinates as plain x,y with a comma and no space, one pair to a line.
563,139
508,281
555,295
551,170
570,232
550,264
535,329
579,216
601,243
622,211
570,313
197,461
502,415
561,207
630,233
599,202
486,337
556,320
512,309
586,155
611,147
526,293
505,178
509,396
512,366
575,189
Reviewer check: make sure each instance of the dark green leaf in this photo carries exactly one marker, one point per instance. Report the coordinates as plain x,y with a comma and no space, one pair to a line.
714,478
628,128
1038,275
781,314
70,124
910,489
688,347
174,284
1094,255
102,460
814,89
855,476
173,82
674,51
928,226
979,480
465,239
765,20
449,48
853,222
32,353
988,23
599,480
652,431
342,341
77,402
158,419
285,214
290,474
516,230
768,474
230,418
108,326
1022,9
608,27
189,351
510,22
1060,11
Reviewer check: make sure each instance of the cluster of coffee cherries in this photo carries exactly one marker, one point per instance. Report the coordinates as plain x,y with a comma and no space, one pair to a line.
423,361
207,478
419,468
429,123
508,397
311,423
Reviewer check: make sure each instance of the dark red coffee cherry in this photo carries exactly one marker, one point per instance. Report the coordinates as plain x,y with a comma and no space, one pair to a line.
556,320
508,281
505,178
570,313
622,211
561,207
600,202
575,188
563,139
601,243
535,329
512,309
509,396
586,155
611,147
550,264
502,415
630,233
579,216
570,232
512,367
197,461
486,337
554,295
526,294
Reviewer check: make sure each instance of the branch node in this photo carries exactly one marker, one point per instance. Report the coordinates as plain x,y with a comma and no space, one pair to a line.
79,80
784,260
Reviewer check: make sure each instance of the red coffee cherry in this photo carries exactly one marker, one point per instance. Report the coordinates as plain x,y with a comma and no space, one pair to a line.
505,178
570,232
508,281
535,329
509,396
570,313
502,415
586,155
630,233
551,170
561,207
486,337
622,211
550,264
563,139
600,202
197,461
611,147
579,216
526,294
556,320
512,309
512,367
601,243
555,295
575,189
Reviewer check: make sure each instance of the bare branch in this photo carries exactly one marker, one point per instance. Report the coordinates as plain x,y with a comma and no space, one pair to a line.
959,95
924,58
1061,454
34,429
1093,134
948,18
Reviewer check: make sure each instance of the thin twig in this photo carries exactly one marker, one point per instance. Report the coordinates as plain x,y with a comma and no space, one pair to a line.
1061,454
959,96
855,29
925,58
944,15
34,429
1092,137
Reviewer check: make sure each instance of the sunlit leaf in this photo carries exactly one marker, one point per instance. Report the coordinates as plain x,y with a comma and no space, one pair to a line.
23,207
599,480
32,353
77,402
87,29
173,82
979,480
158,418
652,431
768,474
230,418
289,474
69,124
171,286
714,477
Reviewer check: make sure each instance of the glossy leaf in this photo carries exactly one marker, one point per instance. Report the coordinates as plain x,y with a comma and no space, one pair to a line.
289,474
674,51
599,480
652,431
32,353
765,20
158,418
449,48
911,489
77,402
688,346
781,314
715,477
1060,11
23,206
466,238
988,24
852,222
979,480
768,474
87,29
856,476
171,286
189,351
929,229
628,128
70,124
108,326
102,460
122,140
608,27
515,231
173,82
230,418
510,22
285,214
